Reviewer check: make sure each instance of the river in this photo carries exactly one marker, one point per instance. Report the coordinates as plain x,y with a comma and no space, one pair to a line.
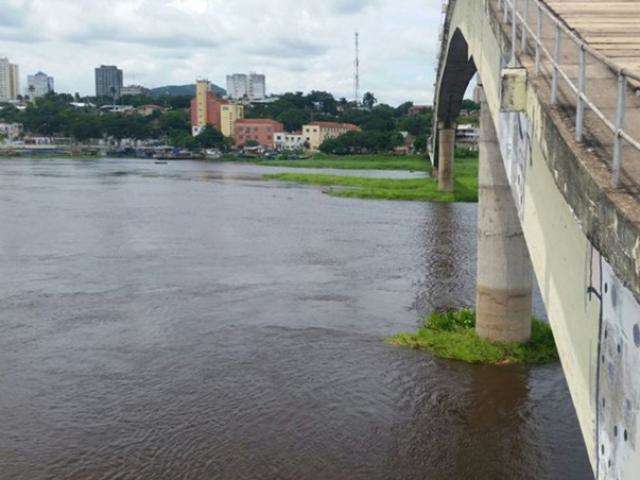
189,321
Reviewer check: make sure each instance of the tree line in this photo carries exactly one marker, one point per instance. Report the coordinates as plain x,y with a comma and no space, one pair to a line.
381,124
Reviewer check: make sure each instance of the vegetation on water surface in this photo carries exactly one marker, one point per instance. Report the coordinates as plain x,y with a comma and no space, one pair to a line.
452,335
355,162
414,189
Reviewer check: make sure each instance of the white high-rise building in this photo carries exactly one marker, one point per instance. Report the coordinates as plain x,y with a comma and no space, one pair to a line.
252,86
9,80
39,85
257,86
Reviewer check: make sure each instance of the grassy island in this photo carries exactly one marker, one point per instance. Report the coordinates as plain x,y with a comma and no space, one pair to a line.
415,189
452,335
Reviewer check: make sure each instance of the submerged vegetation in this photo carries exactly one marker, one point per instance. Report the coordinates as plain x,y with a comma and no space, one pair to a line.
452,335
416,189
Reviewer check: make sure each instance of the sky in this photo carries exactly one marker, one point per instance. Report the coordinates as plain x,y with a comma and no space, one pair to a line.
300,45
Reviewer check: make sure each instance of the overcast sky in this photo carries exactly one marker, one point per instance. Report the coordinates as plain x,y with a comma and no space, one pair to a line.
300,45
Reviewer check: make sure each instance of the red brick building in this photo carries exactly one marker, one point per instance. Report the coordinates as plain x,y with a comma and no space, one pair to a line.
256,129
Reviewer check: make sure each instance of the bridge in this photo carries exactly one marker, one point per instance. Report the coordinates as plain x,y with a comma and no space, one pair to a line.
559,179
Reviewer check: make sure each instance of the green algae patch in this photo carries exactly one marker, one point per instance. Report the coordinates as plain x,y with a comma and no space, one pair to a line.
452,335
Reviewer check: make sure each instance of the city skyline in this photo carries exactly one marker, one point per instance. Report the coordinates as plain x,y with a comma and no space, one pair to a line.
311,47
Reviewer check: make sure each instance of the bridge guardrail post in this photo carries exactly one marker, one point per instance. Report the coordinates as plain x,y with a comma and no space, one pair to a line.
581,93
525,19
620,114
556,62
514,31
538,39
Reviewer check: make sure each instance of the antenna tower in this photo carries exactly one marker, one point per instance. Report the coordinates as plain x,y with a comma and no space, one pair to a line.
356,79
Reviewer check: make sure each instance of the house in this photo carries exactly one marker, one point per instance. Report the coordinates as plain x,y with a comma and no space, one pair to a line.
258,130
289,140
147,110
317,132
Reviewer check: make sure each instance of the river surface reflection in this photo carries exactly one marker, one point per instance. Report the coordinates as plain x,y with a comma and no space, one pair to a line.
187,321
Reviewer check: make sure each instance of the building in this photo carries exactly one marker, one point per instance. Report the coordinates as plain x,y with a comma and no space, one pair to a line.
258,130
467,136
205,108
39,85
418,109
108,81
229,114
147,110
10,131
9,80
252,86
289,141
134,90
317,132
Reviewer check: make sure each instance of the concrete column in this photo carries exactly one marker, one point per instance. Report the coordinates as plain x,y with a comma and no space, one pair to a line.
503,303
446,151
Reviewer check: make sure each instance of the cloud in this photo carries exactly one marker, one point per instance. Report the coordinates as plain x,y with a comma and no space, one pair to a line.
348,7
300,45
289,48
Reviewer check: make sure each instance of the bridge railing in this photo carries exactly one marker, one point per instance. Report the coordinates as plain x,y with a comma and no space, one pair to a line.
531,21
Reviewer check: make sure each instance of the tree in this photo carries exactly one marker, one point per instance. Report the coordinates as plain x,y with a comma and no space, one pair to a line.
369,100
420,144
209,137
403,109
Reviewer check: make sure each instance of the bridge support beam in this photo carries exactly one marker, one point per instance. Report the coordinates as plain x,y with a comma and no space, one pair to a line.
446,152
503,302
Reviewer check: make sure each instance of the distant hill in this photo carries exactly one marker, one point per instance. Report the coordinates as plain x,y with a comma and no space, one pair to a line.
179,90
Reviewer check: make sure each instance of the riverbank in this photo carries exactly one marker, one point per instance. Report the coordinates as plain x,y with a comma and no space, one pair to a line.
421,189
452,335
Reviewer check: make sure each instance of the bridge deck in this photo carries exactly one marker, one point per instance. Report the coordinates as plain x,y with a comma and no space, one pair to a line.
609,26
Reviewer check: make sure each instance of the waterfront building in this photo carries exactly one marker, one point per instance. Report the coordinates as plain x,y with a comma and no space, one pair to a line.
317,132
205,108
241,86
259,130
39,85
229,114
10,131
9,80
134,90
146,110
289,140
108,81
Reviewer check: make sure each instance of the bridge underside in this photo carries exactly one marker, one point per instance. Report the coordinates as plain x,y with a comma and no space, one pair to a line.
583,240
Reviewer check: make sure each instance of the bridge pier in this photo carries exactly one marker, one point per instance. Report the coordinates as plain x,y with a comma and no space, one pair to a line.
446,154
503,302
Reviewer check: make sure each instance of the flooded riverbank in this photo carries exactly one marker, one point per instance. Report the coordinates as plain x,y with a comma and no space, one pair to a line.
189,321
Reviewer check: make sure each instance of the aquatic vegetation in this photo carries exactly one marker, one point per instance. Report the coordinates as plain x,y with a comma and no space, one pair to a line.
415,189
452,335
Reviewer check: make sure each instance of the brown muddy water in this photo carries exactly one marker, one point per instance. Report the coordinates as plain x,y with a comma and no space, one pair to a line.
185,321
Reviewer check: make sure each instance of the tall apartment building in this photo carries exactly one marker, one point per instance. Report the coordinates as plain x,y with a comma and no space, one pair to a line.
108,81
9,80
317,132
39,85
206,108
252,86
229,114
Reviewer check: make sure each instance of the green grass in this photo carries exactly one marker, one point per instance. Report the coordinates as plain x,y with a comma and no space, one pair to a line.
355,162
415,189
452,335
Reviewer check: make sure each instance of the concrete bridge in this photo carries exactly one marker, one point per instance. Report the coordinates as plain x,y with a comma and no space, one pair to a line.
559,191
